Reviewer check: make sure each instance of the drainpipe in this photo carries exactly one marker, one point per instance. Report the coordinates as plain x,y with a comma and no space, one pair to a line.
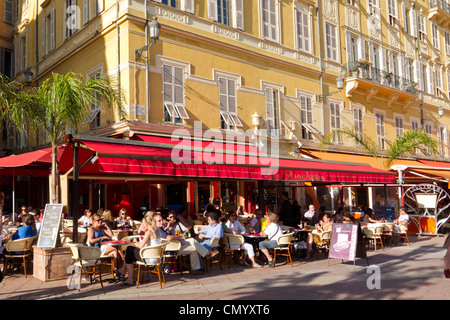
118,52
36,44
147,95
319,33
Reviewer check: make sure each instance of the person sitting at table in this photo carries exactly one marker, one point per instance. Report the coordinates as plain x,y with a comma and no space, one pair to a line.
402,222
190,246
256,221
234,225
311,216
369,217
337,216
108,220
171,223
241,211
145,222
123,221
86,219
212,231
273,231
185,220
98,232
152,237
325,224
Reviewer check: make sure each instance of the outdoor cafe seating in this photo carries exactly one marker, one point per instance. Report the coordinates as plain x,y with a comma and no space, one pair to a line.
152,262
87,259
19,250
284,248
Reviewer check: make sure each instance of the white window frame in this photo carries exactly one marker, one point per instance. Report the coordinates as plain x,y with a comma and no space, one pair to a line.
441,138
8,11
447,42
228,117
392,12
270,29
358,120
422,27
306,101
380,119
435,36
95,116
399,125
273,108
303,29
174,110
335,118
331,40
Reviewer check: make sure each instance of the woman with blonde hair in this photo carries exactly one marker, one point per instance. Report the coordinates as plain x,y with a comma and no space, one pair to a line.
273,232
148,216
151,238
107,218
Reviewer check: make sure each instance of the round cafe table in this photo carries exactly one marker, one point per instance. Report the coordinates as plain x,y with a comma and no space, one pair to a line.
254,239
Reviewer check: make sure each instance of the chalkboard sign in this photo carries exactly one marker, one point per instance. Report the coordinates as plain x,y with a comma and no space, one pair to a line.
50,226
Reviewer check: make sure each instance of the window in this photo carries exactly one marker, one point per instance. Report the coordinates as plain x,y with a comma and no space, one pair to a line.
358,121
428,129
392,10
352,2
48,33
228,12
306,116
173,95
303,33
272,111
331,44
435,36
441,140
71,18
447,42
269,19
172,3
380,130
438,80
414,125
335,121
23,42
227,104
6,62
8,11
422,27
94,118
398,126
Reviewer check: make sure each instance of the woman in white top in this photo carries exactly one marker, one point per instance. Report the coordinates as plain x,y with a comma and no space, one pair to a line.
273,232
151,238
234,225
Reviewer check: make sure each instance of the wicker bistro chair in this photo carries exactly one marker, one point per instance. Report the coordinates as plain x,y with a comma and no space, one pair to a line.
216,251
284,246
171,253
402,232
152,261
19,250
374,234
232,244
88,259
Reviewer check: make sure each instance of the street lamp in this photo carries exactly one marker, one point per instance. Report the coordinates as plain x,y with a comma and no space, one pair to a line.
155,28
28,76
340,86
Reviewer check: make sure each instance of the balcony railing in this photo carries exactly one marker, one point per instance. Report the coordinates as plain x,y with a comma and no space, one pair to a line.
367,71
441,4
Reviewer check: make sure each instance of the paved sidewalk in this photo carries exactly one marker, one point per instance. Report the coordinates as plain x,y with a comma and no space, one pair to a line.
406,272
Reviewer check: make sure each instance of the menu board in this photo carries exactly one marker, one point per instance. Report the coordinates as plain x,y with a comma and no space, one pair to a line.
344,239
347,242
50,226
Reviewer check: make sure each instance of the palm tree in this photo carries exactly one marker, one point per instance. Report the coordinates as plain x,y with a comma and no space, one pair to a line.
60,103
404,144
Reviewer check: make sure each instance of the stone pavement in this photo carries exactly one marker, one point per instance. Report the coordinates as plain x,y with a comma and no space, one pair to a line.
412,272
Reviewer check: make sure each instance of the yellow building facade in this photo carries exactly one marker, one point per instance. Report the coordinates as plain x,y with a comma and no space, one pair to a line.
229,63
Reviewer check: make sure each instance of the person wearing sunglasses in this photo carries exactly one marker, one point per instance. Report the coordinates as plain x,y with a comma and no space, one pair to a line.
124,221
98,232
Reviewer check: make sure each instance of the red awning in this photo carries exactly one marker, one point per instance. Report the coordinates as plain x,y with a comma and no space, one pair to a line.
35,163
138,158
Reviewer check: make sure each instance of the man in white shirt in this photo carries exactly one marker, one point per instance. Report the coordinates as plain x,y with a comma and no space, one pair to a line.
310,214
234,225
401,224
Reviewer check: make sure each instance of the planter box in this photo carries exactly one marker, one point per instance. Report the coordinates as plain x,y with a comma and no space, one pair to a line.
52,263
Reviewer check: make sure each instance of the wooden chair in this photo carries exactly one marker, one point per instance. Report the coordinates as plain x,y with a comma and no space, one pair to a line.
154,264
232,244
402,232
171,253
284,247
19,250
216,251
88,259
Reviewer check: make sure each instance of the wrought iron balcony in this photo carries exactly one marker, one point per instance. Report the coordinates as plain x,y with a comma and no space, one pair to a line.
365,70
439,12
